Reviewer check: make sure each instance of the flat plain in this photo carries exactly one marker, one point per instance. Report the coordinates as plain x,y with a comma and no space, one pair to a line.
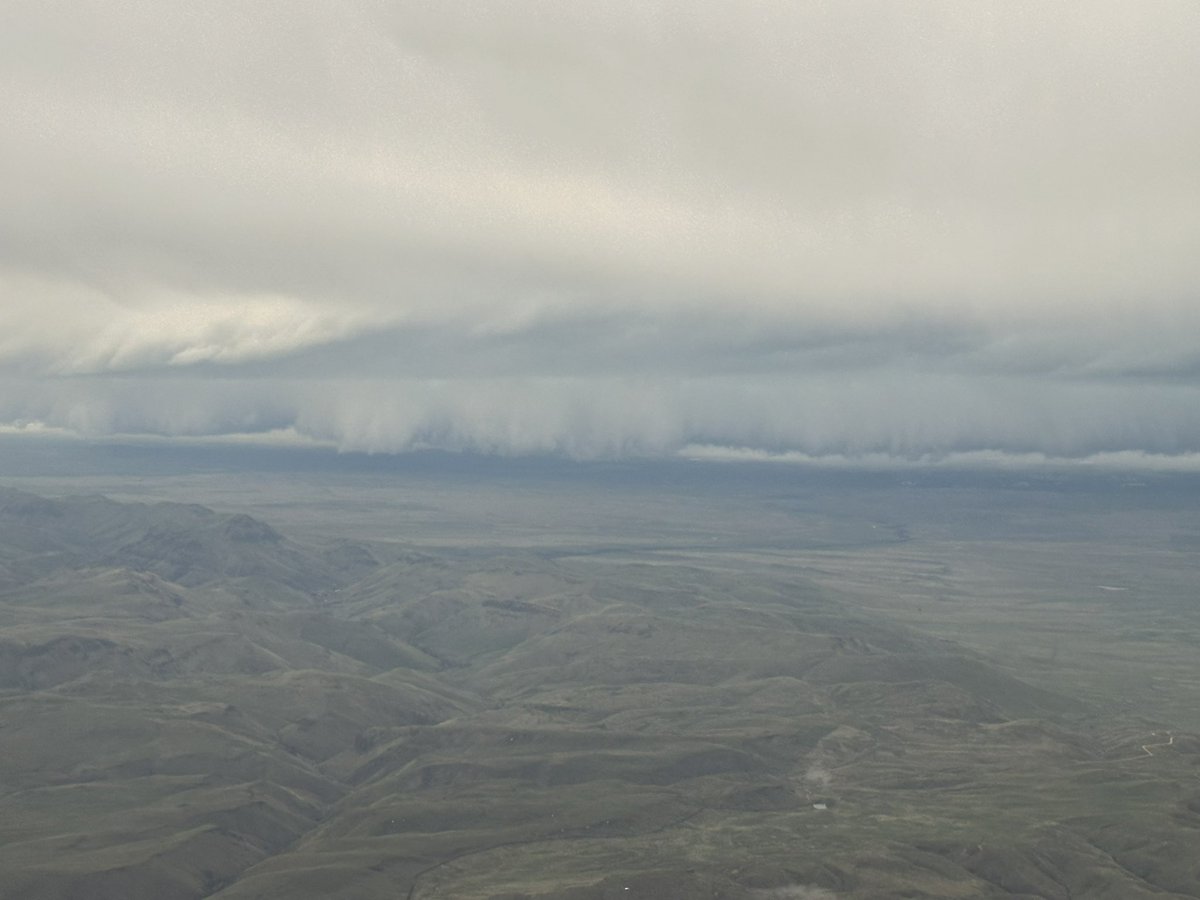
252,674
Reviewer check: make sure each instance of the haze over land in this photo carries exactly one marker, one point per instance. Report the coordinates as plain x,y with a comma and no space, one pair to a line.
870,228
445,676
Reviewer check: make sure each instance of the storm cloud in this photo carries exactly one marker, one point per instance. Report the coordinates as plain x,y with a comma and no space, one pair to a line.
835,230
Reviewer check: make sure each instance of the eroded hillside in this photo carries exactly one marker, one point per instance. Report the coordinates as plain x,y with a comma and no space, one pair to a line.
193,705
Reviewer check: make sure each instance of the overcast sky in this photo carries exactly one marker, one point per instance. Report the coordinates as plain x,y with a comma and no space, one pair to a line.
808,228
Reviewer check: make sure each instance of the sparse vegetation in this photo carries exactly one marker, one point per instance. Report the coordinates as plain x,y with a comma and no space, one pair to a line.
193,704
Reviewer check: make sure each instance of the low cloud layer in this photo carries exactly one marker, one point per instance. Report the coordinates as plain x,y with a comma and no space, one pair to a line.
792,228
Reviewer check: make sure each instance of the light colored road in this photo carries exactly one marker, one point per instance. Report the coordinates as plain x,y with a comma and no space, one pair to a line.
1167,743
1146,751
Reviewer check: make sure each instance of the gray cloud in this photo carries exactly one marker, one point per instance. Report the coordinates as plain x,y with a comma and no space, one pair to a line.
907,416
523,227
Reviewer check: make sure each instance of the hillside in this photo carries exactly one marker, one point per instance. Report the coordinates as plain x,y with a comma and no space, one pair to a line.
194,705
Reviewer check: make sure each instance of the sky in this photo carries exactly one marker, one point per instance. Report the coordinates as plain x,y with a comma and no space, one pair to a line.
844,230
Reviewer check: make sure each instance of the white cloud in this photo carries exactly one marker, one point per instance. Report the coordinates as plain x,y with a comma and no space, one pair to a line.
528,227
73,329
1124,460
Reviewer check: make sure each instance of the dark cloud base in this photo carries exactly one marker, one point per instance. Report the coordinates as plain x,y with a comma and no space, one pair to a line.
895,415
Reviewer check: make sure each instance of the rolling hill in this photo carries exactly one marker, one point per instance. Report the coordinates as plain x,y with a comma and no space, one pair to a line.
193,705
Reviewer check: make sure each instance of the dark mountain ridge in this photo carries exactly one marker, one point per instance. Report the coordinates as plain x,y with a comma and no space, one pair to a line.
187,544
